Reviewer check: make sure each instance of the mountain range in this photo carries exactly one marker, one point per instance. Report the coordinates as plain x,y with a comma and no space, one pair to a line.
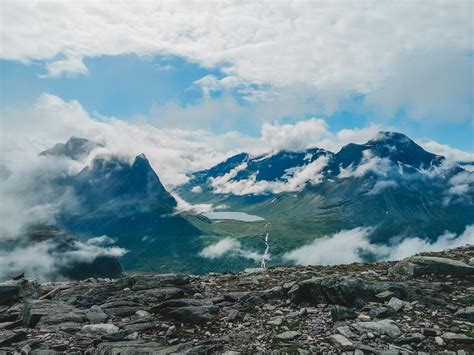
389,184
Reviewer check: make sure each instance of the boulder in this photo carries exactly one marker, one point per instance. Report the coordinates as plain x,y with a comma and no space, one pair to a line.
128,348
288,335
100,329
385,326
425,265
96,315
13,290
193,314
187,310
347,290
146,282
10,337
36,313
457,337
410,338
341,342
466,313
341,313
377,312
384,295
395,304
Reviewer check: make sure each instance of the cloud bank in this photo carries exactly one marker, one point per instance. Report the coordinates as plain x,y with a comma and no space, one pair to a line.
348,246
229,247
316,46
47,260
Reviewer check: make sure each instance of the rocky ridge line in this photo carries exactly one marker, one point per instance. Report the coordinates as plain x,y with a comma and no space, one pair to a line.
422,304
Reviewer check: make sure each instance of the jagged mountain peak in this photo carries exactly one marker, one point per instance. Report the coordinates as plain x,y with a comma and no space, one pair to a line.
112,178
397,147
75,148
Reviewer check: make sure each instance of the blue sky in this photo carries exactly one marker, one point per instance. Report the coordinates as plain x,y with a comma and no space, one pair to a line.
127,86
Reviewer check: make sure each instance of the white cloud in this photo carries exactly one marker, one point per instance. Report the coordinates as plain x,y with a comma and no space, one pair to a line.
343,247
68,67
412,246
330,48
231,247
450,153
369,163
172,152
196,189
459,187
433,85
349,246
186,207
102,240
46,260
335,141
293,181
382,185
296,136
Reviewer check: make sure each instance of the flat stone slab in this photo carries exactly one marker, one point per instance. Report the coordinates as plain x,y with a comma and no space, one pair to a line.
426,265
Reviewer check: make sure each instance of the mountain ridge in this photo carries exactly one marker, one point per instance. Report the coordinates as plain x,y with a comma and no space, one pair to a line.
389,185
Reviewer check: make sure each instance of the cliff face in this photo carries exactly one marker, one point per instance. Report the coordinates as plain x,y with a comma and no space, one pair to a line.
422,304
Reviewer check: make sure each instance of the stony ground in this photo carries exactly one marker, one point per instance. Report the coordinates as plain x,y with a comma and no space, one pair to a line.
420,305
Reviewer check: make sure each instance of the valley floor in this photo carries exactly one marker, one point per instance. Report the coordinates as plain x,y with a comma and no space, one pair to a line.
422,304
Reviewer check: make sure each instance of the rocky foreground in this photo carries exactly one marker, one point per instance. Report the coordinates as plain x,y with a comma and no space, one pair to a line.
421,304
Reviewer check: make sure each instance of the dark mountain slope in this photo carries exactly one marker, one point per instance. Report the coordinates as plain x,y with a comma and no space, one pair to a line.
389,183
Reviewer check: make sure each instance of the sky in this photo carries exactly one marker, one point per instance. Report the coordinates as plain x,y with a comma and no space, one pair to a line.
210,79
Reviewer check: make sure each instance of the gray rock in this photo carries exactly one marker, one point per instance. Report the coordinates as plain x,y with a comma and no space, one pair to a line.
385,326
275,293
410,338
288,335
430,332
384,295
10,337
232,315
252,301
341,313
13,290
187,310
129,348
341,342
235,296
193,314
146,282
466,313
122,311
139,326
277,321
396,304
96,315
157,294
346,290
425,265
142,314
456,337
45,312
99,329
378,312
346,331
